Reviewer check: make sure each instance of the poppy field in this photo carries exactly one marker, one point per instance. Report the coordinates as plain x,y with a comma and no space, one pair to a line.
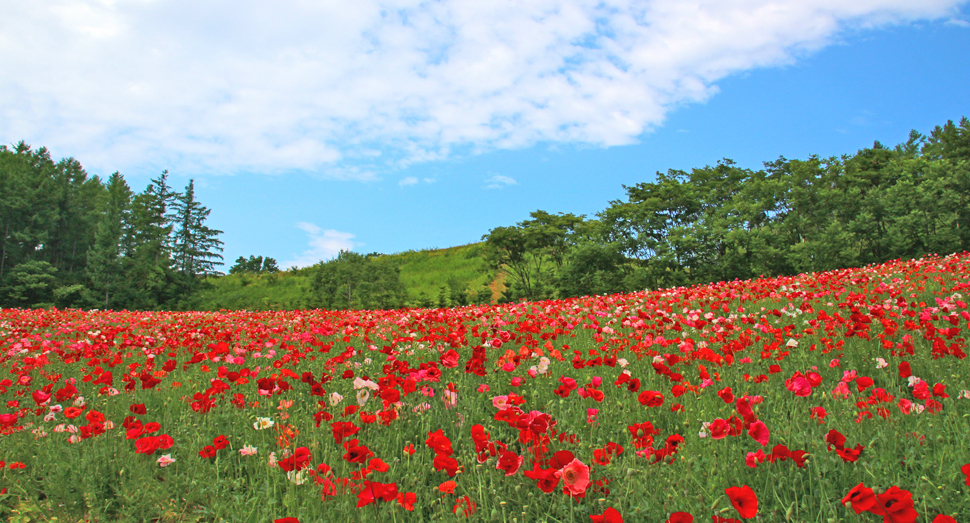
837,396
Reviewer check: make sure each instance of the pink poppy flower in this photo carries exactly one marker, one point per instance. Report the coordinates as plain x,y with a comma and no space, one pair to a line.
575,478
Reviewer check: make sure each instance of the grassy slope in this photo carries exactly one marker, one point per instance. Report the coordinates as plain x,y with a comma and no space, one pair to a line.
421,272
426,271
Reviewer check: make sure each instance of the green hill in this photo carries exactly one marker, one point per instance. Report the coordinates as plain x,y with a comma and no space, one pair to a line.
423,273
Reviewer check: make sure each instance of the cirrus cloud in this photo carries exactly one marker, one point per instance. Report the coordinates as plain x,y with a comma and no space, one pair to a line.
347,90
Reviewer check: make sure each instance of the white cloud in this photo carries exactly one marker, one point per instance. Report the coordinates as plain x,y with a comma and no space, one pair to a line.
410,180
349,89
324,244
498,182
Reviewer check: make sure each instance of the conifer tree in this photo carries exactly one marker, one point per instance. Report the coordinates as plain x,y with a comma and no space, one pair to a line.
195,245
104,257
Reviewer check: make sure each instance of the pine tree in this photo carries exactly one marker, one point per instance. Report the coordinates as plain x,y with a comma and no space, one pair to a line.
147,243
104,256
195,245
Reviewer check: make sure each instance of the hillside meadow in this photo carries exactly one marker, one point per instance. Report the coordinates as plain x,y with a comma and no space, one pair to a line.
822,397
423,273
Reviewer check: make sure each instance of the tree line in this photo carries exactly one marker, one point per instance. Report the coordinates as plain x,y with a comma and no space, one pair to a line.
723,222
72,240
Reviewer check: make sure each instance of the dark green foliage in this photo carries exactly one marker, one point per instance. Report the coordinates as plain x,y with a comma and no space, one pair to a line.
531,252
30,284
71,240
593,268
355,281
104,263
195,244
255,264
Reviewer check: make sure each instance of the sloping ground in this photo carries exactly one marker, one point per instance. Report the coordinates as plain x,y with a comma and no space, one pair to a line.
427,271
422,272
253,292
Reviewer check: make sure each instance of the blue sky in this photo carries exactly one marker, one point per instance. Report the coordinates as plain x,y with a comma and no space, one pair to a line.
392,126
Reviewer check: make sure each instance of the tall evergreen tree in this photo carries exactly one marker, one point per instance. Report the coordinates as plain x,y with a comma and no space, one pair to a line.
195,245
104,257
148,242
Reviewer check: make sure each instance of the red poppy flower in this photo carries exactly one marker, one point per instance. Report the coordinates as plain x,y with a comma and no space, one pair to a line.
835,439
819,414
373,491
208,452
966,472
298,461
850,455
545,479
138,408
286,520
799,385
719,428
895,505
439,443
509,462
152,426
861,497
921,390
863,382
759,432
407,500
466,504
904,370
449,465
610,515
41,396
391,395
343,430
680,517
356,453
449,359
134,431
944,519
744,500
165,442
220,442
146,445
651,398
